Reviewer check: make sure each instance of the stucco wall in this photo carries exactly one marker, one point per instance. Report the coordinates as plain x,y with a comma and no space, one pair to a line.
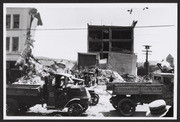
122,63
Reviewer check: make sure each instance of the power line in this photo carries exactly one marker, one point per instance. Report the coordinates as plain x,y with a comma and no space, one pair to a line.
51,29
86,28
154,26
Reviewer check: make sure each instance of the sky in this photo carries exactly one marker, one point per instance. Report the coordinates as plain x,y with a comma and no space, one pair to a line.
55,39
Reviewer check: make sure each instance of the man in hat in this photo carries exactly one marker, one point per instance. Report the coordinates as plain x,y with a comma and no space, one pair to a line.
158,108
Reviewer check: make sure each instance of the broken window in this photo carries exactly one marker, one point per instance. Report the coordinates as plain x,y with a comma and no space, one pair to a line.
105,34
95,34
95,46
15,43
7,43
8,21
125,47
121,34
16,21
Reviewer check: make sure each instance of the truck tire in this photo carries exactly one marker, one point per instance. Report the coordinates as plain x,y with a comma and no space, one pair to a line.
126,107
75,109
94,99
85,107
11,106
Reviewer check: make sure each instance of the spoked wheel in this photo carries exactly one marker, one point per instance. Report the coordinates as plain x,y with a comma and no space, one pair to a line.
11,107
126,107
75,109
94,99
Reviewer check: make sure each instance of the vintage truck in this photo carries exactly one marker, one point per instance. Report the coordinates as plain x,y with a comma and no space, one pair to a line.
126,96
54,93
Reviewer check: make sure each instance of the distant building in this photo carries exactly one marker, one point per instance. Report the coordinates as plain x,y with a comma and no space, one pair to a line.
116,44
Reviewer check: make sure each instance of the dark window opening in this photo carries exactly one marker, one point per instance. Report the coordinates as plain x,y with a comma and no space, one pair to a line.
105,34
15,43
95,34
95,46
7,43
8,21
104,55
124,47
105,46
121,34
15,21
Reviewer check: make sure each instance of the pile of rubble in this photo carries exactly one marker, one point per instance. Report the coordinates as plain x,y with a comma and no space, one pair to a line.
105,76
35,80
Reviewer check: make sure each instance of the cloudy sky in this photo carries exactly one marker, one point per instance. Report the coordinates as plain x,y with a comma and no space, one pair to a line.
56,39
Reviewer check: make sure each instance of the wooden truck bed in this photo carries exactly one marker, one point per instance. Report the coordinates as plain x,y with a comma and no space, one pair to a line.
23,90
137,88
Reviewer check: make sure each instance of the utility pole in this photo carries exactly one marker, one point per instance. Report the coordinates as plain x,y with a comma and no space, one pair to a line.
146,64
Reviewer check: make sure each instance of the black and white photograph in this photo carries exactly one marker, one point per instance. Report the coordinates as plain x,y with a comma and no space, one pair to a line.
90,61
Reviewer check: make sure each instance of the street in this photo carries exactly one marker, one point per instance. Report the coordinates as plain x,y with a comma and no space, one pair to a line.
102,109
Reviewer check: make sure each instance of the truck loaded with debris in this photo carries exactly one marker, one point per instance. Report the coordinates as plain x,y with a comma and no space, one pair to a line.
126,96
55,92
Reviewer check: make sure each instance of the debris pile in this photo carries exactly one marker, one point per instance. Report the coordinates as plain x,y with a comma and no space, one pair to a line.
35,80
106,75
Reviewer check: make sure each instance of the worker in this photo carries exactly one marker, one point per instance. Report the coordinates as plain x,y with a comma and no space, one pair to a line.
111,79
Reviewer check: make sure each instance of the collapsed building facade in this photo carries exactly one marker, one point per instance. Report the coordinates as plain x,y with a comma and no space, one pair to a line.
21,24
17,25
116,44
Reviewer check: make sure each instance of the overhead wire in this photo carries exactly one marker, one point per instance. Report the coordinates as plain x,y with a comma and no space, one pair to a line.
87,28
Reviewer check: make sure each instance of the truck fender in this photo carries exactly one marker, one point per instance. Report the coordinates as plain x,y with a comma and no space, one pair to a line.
72,100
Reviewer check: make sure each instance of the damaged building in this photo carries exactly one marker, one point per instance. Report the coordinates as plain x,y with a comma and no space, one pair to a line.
20,31
116,44
17,25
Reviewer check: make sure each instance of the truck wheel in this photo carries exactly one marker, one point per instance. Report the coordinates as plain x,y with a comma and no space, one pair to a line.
75,109
126,107
85,107
94,99
11,107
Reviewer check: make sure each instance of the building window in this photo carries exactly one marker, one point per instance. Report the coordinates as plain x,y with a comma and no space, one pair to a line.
95,34
95,46
105,34
8,21
122,34
7,43
15,43
16,21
